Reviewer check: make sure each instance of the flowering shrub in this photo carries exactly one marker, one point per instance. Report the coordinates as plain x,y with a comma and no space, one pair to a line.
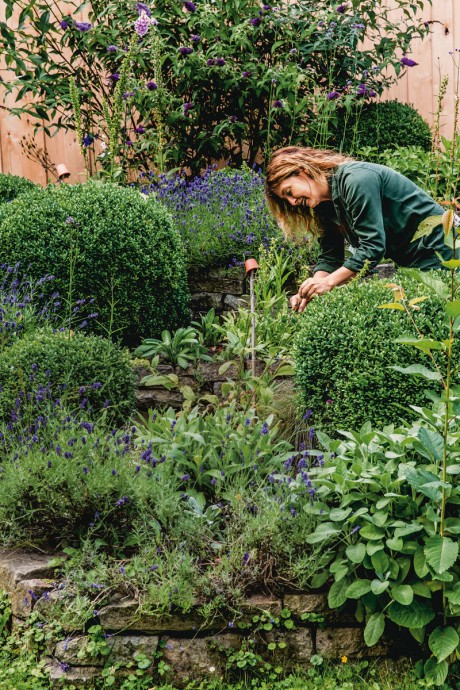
204,81
345,351
105,243
221,215
87,371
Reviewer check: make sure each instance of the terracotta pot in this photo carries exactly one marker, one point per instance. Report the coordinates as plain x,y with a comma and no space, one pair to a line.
251,265
62,171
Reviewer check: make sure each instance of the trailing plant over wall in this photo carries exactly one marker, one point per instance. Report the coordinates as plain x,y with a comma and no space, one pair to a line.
204,81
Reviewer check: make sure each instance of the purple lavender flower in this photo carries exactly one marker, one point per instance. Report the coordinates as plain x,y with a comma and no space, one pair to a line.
265,430
63,24
187,106
114,77
342,8
277,103
185,50
142,7
139,129
220,62
190,6
246,558
185,478
142,24
195,38
112,49
151,86
122,570
256,21
210,62
407,62
82,26
87,140
332,95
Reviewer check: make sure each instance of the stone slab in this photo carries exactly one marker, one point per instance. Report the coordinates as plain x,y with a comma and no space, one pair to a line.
124,616
123,649
26,593
20,565
333,643
79,676
198,657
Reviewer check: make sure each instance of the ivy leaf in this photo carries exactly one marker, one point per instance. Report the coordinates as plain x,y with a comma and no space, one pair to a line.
374,629
441,553
443,641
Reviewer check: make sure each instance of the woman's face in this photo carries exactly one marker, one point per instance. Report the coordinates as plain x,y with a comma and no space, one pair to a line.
302,190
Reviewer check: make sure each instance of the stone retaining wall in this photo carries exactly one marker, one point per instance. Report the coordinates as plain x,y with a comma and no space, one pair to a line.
190,645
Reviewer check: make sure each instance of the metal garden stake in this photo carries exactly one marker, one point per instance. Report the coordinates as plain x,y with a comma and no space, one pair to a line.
251,266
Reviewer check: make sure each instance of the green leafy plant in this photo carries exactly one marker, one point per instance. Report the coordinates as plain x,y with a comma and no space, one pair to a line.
12,186
179,349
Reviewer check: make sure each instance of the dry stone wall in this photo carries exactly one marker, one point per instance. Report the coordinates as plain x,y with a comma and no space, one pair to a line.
190,645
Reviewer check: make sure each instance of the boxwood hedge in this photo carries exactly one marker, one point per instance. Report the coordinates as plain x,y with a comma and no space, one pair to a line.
12,186
124,249
345,349
85,370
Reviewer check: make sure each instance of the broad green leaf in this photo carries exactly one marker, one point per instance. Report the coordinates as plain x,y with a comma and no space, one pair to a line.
453,308
453,595
356,552
371,532
426,227
421,589
447,220
418,634
436,671
423,344
319,579
374,629
378,587
339,514
358,588
452,525
418,370
441,553
416,615
395,544
451,264
403,594
336,596
391,305
380,561
373,547
443,641
425,482
433,443
438,286
322,532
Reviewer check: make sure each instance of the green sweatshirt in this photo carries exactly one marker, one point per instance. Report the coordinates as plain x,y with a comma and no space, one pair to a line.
377,211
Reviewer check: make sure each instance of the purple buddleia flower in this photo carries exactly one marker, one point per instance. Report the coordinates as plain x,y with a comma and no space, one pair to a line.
210,62
87,140
185,50
112,49
342,8
332,95
139,129
256,21
142,7
190,6
187,106
82,26
64,25
195,38
151,86
114,77
220,62
277,103
407,62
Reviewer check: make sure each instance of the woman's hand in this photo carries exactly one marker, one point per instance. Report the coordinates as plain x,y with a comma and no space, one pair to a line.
310,288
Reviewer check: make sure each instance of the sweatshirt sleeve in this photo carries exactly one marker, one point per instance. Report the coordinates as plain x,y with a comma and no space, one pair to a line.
332,250
362,201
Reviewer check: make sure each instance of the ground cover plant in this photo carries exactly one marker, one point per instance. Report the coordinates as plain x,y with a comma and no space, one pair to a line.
87,235
199,82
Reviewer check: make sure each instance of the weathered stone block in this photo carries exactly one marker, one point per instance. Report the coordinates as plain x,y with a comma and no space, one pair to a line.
77,675
26,593
19,565
255,604
124,615
210,371
305,603
333,643
123,648
204,301
198,657
298,651
152,397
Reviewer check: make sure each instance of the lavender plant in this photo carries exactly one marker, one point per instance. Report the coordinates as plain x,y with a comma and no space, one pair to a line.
207,81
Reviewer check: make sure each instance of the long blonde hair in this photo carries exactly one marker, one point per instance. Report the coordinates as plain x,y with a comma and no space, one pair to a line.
289,161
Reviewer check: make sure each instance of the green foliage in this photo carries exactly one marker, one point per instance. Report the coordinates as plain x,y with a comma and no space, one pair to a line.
346,351
86,370
12,186
385,126
250,77
180,349
106,243
396,547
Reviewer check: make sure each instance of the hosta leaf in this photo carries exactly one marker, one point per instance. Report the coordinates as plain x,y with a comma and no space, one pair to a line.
374,629
378,587
436,671
443,641
356,553
418,370
441,553
416,615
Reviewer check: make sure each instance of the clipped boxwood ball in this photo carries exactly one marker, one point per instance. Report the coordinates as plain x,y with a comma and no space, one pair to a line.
118,246
12,186
383,125
78,368
345,350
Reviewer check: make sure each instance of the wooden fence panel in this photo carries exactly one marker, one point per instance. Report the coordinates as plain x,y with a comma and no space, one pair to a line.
419,87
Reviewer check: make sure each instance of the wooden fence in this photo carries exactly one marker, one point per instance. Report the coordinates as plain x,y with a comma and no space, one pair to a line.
436,57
